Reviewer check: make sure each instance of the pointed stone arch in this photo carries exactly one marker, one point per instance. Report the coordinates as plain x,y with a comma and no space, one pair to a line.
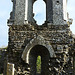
39,40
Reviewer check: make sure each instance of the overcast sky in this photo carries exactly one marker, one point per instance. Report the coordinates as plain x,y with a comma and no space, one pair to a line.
6,7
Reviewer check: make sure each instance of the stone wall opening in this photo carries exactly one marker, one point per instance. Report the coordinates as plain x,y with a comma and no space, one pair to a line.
43,52
39,10
38,64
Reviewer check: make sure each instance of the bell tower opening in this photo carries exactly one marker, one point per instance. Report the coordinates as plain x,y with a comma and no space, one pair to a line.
39,10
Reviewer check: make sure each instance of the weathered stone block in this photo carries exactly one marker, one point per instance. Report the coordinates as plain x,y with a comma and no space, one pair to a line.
10,69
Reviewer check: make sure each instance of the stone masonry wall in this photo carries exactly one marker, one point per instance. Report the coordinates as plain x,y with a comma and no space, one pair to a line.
20,35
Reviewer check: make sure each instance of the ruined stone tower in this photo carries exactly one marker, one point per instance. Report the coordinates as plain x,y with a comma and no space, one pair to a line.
52,41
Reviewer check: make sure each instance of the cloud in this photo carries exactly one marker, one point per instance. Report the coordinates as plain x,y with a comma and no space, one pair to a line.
3,35
39,8
5,8
71,7
41,19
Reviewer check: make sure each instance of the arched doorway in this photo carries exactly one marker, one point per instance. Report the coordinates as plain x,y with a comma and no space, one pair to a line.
38,47
43,53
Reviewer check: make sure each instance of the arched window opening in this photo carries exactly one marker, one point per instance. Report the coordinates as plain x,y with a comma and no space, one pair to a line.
39,10
38,65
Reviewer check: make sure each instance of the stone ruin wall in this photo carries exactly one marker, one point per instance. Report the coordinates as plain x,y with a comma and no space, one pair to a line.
55,31
60,37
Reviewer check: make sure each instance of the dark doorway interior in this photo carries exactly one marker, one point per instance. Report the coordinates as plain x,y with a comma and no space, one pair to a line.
43,54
